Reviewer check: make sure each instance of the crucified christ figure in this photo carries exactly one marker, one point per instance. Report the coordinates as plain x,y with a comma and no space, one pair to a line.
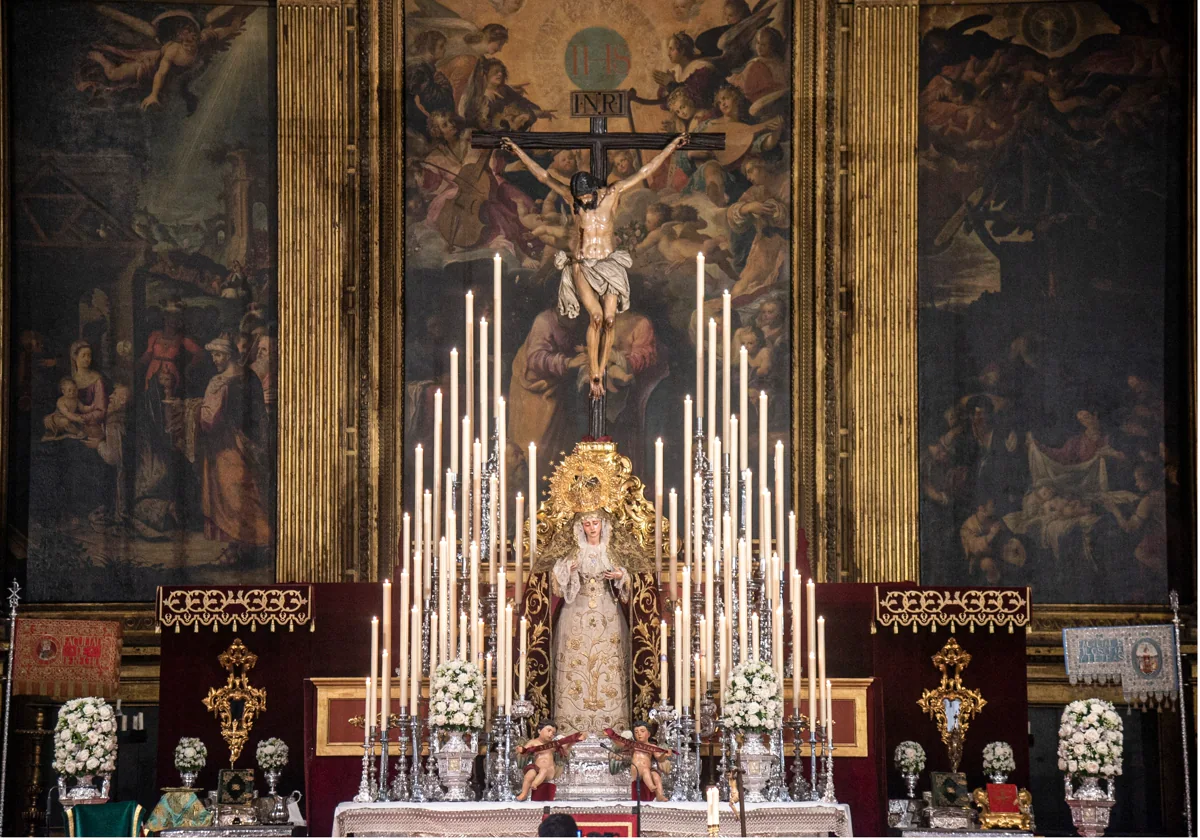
594,274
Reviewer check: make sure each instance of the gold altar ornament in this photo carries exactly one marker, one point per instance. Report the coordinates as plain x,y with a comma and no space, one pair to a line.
1021,820
936,608
950,705
237,703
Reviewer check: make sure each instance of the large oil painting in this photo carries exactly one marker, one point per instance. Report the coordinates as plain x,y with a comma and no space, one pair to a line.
1051,272
143,277
720,66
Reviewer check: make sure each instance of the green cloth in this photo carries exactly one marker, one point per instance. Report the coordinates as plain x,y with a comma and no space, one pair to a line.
178,809
112,819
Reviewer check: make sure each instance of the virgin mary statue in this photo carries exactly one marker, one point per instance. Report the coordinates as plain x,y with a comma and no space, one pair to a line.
591,647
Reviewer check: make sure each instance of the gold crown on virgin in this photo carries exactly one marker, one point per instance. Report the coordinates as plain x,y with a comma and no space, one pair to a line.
588,479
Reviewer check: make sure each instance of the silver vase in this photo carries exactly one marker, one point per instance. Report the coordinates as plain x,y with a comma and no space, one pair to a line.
278,814
455,760
756,760
83,790
997,778
189,778
1090,805
910,779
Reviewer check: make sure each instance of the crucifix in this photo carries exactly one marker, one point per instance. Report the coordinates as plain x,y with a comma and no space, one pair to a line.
594,275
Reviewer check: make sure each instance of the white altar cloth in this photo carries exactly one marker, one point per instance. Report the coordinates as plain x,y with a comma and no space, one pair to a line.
520,819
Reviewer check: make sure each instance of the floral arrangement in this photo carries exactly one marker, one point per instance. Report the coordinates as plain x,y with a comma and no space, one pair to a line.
752,698
190,755
910,758
456,701
1090,739
272,754
85,738
998,759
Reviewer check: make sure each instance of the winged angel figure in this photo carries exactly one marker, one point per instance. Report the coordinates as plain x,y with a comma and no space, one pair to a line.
175,41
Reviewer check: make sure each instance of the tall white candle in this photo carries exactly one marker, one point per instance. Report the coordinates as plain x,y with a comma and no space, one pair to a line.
743,606
487,687
493,552
508,641
533,503
662,661
496,317
734,467
455,423
518,571
698,673
762,443
673,531
369,706
714,455
756,631
524,652
744,406
406,547
373,682
709,578
687,489
452,524
437,468
821,662
451,595
702,676
466,485
723,656
469,368
713,423
797,674
385,695
748,477
686,638
812,688
427,518
658,490
727,572
477,638
697,524
726,365
502,495
502,661
462,650
764,546
386,624
477,493
777,644
678,657
405,599
828,713
484,431
414,656
699,336
445,629
418,496
435,632
778,497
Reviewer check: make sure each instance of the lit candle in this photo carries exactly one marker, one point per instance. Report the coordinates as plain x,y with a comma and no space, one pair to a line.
469,370
369,696
717,509
406,547
502,495
764,545
673,538
452,596
455,429
518,543
501,653
465,484
419,493
810,608
427,516
762,445
779,498
727,569
386,625
373,681
686,638
699,337
414,644
702,675
487,687
792,570
754,624
678,637
479,636
697,671
402,661
496,318
385,697
726,363
475,620
734,489
709,596
712,799
524,652
662,660
483,430
748,478
533,503
796,672
508,626
437,466
743,606
712,377
744,405
687,490
462,638
658,491
435,632
821,662
828,713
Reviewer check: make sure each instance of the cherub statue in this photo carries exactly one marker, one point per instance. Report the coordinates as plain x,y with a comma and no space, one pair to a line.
544,749
595,273
644,757
179,42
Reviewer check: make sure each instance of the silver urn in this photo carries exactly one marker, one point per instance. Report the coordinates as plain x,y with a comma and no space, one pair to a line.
756,761
455,761
1090,805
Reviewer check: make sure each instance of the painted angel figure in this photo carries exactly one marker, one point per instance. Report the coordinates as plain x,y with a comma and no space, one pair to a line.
176,43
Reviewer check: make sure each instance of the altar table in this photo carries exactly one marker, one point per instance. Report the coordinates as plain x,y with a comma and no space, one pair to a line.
521,819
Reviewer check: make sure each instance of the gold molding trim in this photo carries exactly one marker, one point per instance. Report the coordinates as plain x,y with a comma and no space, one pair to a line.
230,606
844,688
881,343
317,159
934,608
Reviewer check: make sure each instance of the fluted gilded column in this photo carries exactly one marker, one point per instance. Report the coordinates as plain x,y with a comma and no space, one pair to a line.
317,416
880,351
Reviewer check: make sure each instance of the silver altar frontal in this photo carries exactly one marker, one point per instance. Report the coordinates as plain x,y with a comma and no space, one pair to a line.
586,777
521,819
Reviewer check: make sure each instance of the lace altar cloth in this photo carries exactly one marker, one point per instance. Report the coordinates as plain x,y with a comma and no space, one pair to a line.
520,819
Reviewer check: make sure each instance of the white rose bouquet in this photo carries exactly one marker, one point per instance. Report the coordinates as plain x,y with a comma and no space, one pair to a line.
1090,739
998,759
85,738
752,701
456,697
909,757
272,754
190,755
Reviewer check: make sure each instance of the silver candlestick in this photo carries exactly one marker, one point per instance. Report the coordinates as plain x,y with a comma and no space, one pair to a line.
504,791
364,783
418,783
14,598
827,794
400,780
814,795
384,793
800,787
777,782
1187,782
429,776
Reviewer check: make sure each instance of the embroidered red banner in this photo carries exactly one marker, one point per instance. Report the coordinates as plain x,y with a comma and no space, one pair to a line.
65,658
